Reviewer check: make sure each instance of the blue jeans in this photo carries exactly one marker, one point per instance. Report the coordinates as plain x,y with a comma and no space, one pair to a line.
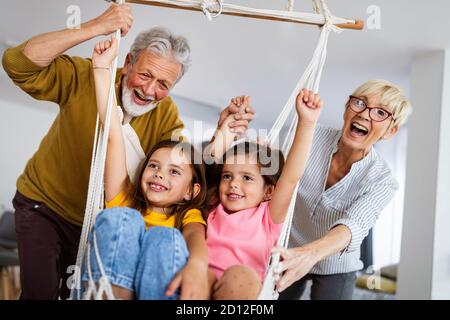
140,260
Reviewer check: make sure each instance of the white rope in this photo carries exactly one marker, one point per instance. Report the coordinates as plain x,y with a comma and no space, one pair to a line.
290,5
207,7
96,291
95,196
103,285
310,80
315,6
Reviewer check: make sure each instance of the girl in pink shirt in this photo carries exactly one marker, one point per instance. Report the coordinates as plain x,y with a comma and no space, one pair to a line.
255,190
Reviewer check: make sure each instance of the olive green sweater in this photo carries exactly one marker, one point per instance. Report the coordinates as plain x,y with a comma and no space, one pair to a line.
58,173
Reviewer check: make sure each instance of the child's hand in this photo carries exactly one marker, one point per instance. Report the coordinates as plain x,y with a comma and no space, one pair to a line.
309,105
242,102
104,53
243,116
193,280
233,127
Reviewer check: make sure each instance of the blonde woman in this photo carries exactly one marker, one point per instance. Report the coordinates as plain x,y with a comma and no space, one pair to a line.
344,188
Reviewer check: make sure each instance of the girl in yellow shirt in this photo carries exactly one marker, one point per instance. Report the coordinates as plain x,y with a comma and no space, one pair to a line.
168,260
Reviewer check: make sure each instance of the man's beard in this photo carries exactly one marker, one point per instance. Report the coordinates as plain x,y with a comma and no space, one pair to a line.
131,108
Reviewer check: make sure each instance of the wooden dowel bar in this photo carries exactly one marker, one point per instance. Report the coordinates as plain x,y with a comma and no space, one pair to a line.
358,25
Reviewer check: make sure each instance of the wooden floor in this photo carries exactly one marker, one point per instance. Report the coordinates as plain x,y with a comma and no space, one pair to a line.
9,283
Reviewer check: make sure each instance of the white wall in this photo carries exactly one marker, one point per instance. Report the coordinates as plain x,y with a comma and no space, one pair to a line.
424,269
21,130
199,119
441,245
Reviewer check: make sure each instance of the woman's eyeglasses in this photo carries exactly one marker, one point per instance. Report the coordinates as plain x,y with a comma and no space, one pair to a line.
376,114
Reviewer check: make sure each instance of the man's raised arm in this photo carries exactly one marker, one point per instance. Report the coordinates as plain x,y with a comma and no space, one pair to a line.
42,49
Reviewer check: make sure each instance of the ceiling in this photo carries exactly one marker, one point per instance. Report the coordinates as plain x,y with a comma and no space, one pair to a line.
264,59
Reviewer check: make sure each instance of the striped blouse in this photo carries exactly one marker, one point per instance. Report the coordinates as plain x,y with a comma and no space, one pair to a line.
355,201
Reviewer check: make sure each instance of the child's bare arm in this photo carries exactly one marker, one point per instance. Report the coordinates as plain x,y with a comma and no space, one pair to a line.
224,137
116,176
308,106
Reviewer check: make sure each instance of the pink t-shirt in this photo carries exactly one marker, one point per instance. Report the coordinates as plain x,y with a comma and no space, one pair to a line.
244,237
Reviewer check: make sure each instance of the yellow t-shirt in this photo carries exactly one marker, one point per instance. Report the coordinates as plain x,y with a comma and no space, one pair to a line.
153,219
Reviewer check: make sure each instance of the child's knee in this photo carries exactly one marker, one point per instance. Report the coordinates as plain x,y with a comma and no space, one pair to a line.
163,235
118,227
240,272
115,217
164,239
237,283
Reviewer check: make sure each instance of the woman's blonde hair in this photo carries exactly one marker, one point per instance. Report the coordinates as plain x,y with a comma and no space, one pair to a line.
390,95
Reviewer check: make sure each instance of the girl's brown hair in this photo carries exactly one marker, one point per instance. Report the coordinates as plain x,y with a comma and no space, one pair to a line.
140,202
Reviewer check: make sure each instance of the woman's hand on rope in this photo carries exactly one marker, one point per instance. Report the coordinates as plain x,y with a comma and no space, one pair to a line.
295,264
308,105
242,113
117,16
192,281
104,53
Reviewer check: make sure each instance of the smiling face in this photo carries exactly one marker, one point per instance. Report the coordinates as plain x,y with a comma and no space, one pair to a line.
360,132
167,179
241,185
148,80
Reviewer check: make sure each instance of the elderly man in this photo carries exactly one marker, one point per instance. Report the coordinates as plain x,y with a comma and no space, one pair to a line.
52,190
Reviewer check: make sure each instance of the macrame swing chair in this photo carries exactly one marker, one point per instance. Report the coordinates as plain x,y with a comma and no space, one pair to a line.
310,80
